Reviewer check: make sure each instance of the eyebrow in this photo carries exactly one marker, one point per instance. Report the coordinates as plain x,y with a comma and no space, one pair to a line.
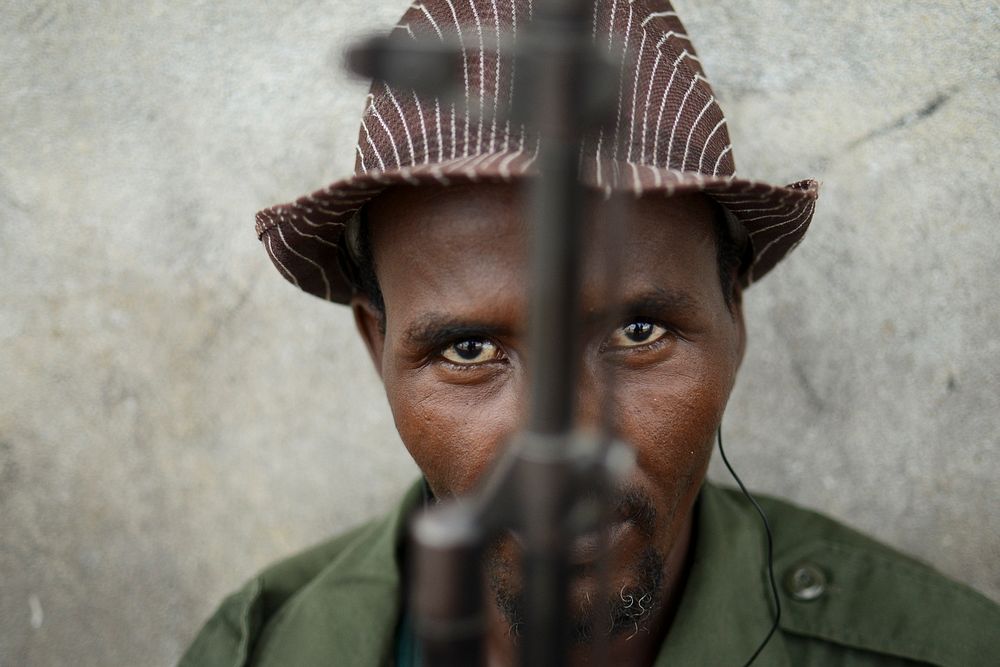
654,301
435,330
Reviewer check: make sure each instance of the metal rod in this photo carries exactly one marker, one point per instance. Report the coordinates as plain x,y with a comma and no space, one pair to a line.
557,45
555,50
447,600
540,479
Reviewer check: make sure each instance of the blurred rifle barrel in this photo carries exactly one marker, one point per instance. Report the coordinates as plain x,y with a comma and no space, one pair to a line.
539,480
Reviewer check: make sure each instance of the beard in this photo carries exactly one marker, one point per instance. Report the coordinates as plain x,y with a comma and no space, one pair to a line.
632,594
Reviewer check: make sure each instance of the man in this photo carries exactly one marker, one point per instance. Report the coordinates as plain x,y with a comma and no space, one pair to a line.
427,244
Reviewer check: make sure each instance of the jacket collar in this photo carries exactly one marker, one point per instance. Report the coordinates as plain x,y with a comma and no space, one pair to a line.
724,613
726,608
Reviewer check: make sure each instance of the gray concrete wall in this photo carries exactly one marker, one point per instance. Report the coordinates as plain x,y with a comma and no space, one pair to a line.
173,415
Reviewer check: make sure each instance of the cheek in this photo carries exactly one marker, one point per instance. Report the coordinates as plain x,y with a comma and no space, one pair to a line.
452,432
671,420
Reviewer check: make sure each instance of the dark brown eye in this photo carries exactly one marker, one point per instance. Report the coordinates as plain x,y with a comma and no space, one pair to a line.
636,333
471,351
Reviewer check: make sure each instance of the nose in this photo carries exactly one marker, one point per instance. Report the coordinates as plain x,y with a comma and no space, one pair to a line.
592,398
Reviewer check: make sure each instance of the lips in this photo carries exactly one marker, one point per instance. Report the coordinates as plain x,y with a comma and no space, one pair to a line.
633,521
589,548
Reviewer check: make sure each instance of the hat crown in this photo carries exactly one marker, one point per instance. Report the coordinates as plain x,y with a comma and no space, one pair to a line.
666,116
666,135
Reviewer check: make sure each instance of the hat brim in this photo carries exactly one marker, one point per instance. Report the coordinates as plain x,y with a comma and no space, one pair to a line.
303,238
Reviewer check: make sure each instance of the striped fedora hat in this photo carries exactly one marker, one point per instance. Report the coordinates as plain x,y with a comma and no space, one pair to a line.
667,136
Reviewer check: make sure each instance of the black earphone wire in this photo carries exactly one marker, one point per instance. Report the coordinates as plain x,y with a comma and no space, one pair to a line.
770,552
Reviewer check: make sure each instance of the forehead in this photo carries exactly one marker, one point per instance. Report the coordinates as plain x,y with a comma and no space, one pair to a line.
470,244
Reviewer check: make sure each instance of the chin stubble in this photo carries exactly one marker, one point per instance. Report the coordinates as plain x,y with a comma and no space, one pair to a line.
624,609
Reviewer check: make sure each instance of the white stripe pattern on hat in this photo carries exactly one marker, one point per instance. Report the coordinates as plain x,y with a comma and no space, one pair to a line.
496,80
465,74
482,75
667,135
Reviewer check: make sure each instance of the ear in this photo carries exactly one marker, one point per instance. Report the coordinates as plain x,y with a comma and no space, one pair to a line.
369,324
741,329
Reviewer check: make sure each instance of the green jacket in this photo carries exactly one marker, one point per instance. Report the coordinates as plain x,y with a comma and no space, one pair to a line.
846,600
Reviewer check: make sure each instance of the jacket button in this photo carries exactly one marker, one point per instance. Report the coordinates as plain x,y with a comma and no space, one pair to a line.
805,582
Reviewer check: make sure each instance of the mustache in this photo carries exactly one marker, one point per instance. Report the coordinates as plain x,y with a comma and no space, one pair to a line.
626,504
631,503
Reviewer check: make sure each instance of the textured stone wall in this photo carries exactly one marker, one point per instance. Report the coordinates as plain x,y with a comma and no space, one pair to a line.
173,415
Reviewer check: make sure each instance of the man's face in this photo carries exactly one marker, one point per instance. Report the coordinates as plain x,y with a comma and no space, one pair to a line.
453,268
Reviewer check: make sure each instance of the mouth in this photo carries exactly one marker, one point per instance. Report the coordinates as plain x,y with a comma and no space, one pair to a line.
589,548
630,530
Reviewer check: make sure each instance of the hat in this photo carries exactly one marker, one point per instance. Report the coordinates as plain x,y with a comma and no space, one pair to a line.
667,136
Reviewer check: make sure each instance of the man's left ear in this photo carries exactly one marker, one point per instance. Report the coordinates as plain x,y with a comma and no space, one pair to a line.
741,330
369,323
